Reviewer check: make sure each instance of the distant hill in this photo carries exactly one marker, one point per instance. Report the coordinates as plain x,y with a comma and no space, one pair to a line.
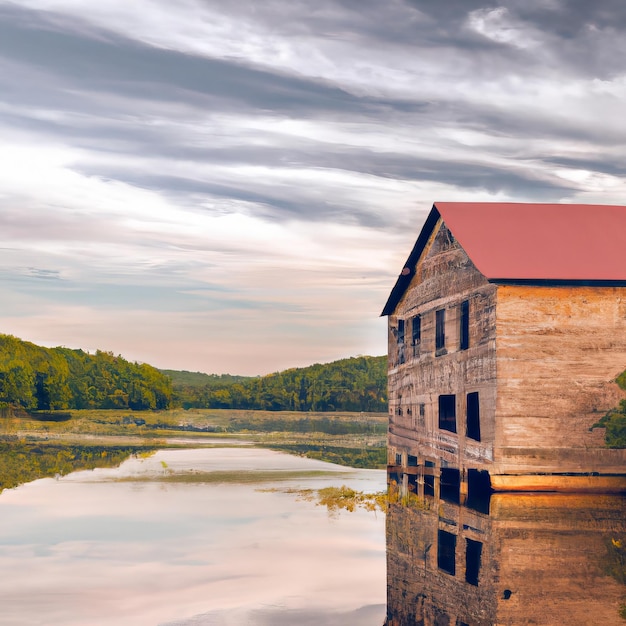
200,379
36,378
353,384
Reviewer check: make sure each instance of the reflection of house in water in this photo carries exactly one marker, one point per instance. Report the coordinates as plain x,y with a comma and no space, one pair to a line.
507,328
536,559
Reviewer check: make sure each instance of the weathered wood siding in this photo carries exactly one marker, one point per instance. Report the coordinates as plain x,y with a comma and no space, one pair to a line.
543,561
418,374
559,350
542,359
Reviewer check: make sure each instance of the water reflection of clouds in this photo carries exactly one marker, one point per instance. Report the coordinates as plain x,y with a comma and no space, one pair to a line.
364,616
84,550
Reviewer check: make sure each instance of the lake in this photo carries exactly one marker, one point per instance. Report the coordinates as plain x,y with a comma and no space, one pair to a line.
519,559
192,537
234,536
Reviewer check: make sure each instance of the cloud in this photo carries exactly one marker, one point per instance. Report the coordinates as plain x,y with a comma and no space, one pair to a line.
165,166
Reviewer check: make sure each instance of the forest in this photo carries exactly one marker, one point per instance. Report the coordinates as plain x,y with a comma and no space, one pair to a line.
353,384
35,378
44,379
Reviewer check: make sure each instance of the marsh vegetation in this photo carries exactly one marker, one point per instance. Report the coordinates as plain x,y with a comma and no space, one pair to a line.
31,448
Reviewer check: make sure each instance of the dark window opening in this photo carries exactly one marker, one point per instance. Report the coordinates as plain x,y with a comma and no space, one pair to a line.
446,548
450,485
422,409
411,461
440,330
473,416
464,330
447,412
400,341
478,490
400,331
473,551
398,459
412,483
416,330
393,480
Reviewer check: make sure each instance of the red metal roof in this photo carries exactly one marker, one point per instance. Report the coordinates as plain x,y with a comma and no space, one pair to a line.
530,243
541,241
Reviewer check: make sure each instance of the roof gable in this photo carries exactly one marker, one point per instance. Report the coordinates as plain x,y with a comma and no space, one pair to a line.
530,243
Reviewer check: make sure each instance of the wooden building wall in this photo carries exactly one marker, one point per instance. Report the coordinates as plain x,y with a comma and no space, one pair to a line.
559,350
418,374
542,359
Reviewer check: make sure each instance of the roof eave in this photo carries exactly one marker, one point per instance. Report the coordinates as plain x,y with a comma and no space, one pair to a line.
408,271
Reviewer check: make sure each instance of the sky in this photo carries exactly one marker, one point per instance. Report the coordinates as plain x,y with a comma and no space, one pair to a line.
234,187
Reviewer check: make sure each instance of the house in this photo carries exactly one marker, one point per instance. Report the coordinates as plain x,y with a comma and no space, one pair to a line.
507,329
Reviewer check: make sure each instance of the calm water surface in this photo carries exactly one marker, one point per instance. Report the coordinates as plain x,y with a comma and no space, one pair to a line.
187,537
525,559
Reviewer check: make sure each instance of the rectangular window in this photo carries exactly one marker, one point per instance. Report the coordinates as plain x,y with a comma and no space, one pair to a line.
464,330
450,485
478,490
416,330
440,330
473,552
400,331
400,342
411,461
447,413
446,549
473,416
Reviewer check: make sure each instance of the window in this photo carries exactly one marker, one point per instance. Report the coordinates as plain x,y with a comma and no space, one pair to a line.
473,551
447,413
400,341
411,461
440,331
400,332
446,548
450,485
473,416
478,490
416,330
464,329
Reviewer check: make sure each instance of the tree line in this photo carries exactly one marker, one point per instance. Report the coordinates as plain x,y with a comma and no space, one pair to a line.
36,378
353,384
